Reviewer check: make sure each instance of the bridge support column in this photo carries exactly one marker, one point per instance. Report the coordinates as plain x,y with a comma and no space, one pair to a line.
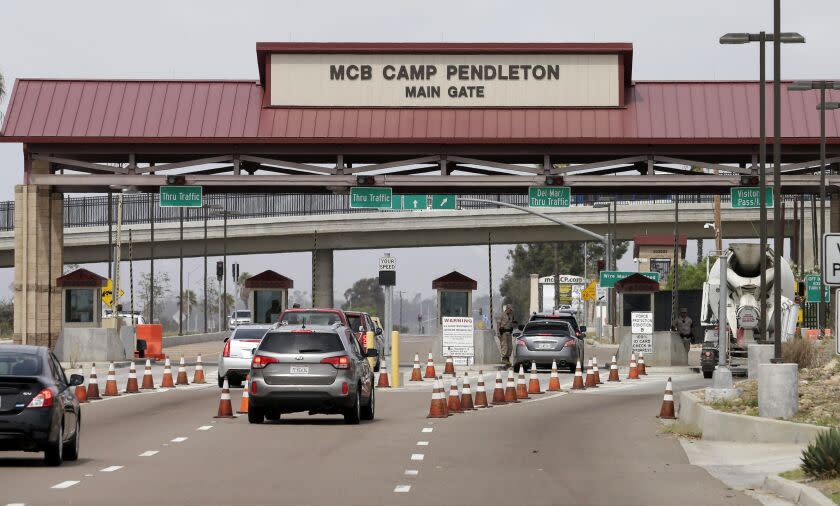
39,238
322,278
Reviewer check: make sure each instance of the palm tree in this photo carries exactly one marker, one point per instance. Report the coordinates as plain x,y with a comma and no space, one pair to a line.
190,301
2,92
240,287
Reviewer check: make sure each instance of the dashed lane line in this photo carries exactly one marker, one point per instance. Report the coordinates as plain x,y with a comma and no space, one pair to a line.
16,504
148,453
205,427
428,429
65,484
417,456
402,489
110,469
411,472
180,439
422,443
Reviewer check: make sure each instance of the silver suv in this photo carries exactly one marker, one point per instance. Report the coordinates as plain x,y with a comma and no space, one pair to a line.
315,368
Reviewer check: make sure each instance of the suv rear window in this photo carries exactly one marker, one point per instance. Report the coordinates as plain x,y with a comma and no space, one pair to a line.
564,318
241,333
301,342
243,314
554,327
355,322
311,318
19,364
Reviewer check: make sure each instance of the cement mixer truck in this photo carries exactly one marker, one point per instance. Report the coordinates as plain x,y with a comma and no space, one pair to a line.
743,277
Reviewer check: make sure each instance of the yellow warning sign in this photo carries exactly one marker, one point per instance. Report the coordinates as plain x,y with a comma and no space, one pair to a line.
589,292
108,293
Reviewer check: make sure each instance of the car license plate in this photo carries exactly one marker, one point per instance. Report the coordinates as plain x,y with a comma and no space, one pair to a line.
545,346
299,370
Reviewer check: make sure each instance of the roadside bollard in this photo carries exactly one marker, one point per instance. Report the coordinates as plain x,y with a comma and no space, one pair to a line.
370,344
395,359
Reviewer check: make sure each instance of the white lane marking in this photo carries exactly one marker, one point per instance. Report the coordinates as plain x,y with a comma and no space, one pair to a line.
205,427
65,484
422,443
401,489
110,469
428,429
16,504
180,439
411,472
148,453
416,456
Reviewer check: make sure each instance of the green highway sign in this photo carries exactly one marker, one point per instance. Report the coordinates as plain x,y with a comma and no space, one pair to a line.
748,197
610,278
370,197
812,289
549,196
444,202
415,202
181,196
397,202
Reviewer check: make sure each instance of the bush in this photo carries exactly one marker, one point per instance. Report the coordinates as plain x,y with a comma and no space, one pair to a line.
821,459
801,352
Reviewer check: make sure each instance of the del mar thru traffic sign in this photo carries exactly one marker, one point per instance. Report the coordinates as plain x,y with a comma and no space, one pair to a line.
748,197
610,278
549,196
370,197
181,196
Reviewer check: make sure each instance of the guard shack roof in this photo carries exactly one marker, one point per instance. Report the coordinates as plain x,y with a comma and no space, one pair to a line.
268,280
636,283
454,281
663,240
81,278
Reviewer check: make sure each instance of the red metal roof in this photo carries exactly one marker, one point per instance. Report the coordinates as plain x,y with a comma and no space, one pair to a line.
454,281
269,279
81,278
636,283
722,112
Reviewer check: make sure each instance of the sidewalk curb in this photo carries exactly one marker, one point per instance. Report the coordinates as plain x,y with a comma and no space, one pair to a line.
797,493
719,426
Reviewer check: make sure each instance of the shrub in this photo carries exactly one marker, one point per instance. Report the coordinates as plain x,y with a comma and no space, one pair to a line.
801,352
821,459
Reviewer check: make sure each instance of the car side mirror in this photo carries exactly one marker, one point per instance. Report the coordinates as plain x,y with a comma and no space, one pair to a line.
227,338
253,351
372,353
76,380
378,331
583,328
520,327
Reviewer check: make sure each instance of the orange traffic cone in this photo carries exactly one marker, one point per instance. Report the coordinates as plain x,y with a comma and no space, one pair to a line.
383,378
466,395
415,371
182,373
454,403
438,407
641,364
131,385
93,385
198,375
148,379
499,390
481,393
166,382
590,379
613,371
534,381
449,368
111,389
225,408
577,383
666,412
430,368
595,372
81,394
510,388
243,404
554,380
521,388
634,371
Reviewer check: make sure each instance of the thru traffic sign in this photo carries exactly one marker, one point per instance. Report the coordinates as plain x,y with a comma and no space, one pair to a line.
748,197
549,196
370,197
415,202
181,196
443,202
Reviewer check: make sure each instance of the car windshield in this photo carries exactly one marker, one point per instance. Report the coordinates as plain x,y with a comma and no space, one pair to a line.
355,322
311,318
19,364
243,314
241,333
301,342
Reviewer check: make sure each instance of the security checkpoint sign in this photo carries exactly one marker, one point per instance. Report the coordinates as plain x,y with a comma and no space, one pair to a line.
458,340
181,196
370,197
749,197
831,260
812,289
641,328
549,196
610,278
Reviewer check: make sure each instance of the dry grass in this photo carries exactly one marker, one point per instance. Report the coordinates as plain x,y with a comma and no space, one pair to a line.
805,353
681,429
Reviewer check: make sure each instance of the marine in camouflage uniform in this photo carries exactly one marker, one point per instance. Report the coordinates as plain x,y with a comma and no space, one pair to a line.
505,326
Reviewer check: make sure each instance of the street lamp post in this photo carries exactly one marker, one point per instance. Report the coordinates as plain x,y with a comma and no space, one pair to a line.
762,38
822,106
610,260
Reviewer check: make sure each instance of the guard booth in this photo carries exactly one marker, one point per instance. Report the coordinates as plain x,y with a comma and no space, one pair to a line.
635,319
454,295
457,335
269,295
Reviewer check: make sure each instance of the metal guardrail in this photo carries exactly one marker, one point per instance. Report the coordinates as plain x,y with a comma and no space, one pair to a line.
137,208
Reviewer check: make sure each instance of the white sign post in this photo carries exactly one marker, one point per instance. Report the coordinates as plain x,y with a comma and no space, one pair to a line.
458,339
641,327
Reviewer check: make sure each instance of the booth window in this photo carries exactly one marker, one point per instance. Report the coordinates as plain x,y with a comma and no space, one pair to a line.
78,306
267,306
454,303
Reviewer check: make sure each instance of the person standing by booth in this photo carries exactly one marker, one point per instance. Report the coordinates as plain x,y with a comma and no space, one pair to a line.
506,324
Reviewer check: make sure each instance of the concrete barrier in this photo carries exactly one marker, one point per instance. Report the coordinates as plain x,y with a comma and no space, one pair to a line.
169,341
797,493
719,426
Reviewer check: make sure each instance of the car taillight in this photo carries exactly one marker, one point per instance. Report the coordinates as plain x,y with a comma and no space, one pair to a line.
577,334
340,362
226,350
344,388
707,353
259,361
253,387
44,399
520,342
569,343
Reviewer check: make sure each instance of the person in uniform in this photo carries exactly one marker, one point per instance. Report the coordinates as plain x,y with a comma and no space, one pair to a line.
685,327
506,324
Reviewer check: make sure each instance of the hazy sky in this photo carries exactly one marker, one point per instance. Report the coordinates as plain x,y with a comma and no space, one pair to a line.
215,39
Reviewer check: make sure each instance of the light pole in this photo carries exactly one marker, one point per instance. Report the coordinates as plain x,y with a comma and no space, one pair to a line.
761,38
610,260
822,106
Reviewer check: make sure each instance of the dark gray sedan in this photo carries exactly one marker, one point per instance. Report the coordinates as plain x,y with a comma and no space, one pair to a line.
544,342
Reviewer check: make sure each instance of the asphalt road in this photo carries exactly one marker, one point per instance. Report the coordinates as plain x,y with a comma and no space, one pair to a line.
596,447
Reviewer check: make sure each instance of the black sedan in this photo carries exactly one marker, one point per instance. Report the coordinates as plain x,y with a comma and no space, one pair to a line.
39,411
